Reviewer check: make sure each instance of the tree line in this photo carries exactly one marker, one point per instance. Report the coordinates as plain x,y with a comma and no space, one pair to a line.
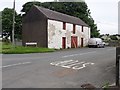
77,9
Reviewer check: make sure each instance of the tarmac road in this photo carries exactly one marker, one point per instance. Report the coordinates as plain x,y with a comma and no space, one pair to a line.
61,69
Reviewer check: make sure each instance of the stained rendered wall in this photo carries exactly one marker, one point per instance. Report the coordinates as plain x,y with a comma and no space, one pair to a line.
56,32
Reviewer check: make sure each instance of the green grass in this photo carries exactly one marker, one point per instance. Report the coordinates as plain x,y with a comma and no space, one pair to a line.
9,49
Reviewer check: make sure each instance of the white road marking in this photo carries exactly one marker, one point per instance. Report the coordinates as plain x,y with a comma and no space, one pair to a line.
60,62
84,65
16,64
73,64
69,66
63,64
78,54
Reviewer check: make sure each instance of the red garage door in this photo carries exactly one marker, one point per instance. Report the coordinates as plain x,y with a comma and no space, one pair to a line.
74,42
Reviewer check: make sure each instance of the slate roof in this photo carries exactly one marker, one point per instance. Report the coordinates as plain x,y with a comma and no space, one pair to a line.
50,14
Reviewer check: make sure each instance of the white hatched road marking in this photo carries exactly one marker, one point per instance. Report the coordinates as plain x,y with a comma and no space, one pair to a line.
16,64
73,64
83,66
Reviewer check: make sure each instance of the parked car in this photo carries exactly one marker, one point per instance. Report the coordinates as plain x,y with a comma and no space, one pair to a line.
96,42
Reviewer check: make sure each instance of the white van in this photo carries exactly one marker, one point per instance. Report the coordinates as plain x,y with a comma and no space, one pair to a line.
95,42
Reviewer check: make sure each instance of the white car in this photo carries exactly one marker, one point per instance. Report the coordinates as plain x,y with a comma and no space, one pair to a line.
96,42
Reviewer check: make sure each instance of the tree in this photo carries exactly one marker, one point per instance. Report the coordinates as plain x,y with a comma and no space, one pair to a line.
77,9
7,15
28,5
7,21
18,26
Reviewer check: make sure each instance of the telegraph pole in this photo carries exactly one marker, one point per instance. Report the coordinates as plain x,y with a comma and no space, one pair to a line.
13,27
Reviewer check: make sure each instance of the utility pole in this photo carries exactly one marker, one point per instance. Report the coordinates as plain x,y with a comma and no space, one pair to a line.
13,28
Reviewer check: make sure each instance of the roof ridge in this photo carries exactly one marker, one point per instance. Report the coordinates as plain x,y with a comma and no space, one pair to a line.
40,9
56,12
51,14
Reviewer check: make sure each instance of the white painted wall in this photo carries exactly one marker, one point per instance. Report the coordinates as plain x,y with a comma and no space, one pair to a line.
86,31
56,32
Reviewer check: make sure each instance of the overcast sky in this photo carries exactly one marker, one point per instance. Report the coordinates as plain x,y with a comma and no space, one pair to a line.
104,12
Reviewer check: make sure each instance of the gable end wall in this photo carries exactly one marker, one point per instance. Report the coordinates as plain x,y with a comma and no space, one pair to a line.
35,28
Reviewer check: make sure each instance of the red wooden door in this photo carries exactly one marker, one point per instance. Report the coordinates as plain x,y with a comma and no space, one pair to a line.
81,42
63,42
74,42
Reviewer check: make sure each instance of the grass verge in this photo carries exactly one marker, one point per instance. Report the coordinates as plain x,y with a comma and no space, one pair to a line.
9,49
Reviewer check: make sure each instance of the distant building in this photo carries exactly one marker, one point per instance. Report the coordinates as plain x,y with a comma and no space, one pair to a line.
52,29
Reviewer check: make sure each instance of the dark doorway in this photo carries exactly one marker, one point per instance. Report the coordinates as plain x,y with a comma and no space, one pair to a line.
63,42
82,42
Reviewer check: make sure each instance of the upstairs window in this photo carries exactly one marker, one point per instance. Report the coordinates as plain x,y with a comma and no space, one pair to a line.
64,25
74,28
82,29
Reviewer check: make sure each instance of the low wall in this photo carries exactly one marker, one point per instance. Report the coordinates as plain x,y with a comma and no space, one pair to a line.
18,43
114,43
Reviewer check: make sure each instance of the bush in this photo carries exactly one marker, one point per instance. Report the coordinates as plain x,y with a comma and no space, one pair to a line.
6,41
113,37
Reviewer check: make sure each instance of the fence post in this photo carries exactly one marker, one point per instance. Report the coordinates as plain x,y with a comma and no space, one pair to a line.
117,65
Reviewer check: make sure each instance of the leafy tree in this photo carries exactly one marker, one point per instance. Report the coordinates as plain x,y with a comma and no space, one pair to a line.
7,22
18,26
77,9
28,5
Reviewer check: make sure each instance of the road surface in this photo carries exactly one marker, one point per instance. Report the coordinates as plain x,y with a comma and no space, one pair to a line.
61,69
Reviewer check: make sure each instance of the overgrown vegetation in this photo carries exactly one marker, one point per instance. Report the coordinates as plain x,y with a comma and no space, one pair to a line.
7,48
7,21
